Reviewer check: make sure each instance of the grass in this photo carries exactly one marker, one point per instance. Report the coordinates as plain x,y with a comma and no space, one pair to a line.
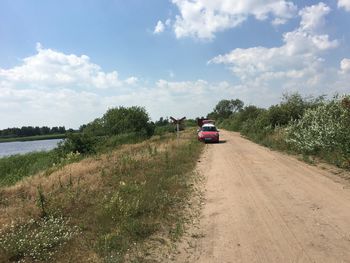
15,168
120,202
34,138
35,239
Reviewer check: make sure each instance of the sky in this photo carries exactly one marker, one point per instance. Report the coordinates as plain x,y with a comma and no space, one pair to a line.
64,63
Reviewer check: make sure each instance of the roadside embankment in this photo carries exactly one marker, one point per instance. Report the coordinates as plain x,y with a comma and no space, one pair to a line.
112,207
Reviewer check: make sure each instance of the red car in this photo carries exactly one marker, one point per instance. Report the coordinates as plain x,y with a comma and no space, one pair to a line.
208,133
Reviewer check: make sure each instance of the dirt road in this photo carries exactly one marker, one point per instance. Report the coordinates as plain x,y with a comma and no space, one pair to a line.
264,206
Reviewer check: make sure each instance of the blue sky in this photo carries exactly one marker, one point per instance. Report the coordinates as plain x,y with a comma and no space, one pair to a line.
67,62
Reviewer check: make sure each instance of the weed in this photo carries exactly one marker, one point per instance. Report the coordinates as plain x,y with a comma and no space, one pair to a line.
36,240
120,200
41,201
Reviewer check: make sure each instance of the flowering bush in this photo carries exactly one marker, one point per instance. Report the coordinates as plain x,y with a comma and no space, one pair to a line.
323,128
37,239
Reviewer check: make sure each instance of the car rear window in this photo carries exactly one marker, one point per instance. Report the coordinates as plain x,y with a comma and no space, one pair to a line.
209,128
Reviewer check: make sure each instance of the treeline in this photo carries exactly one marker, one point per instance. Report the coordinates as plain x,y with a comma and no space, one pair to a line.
26,131
313,127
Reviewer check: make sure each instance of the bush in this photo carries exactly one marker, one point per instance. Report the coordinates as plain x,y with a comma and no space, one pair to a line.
126,120
291,108
323,128
160,130
77,142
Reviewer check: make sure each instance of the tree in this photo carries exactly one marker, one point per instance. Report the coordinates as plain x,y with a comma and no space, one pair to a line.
126,120
162,122
54,130
227,107
45,130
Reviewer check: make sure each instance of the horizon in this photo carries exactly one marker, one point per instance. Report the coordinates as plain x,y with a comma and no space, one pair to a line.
65,64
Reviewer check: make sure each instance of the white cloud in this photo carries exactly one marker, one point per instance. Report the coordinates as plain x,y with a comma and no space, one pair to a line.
313,17
345,66
131,80
159,28
53,88
344,4
50,68
168,22
203,18
52,107
297,61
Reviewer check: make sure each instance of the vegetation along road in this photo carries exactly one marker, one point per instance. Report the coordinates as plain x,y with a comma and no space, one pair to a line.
264,206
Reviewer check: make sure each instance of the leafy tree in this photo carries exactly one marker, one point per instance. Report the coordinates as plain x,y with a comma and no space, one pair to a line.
54,130
44,130
94,128
225,108
127,120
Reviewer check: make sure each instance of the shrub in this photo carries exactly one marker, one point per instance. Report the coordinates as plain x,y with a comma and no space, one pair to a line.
291,108
77,142
125,120
323,128
160,130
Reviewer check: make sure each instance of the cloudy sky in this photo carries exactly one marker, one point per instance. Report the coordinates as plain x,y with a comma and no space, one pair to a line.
66,62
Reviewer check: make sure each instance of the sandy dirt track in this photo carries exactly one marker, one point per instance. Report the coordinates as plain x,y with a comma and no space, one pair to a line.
264,206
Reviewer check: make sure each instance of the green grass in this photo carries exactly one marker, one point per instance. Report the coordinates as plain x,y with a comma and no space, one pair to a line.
15,168
119,201
34,138
150,197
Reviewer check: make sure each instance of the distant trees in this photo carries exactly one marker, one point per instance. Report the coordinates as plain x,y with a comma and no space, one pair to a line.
31,131
162,122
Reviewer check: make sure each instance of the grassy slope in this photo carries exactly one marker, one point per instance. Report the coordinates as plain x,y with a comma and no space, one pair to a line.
15,168
34,138
117,200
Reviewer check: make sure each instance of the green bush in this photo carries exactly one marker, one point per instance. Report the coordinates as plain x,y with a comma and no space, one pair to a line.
77,142
160,130
325,128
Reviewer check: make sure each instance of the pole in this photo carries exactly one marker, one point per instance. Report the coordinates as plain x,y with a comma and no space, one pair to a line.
178,129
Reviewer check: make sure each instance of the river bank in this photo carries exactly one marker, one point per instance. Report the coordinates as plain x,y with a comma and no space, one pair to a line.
33,138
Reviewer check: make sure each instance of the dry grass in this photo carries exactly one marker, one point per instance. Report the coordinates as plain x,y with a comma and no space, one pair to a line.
84,192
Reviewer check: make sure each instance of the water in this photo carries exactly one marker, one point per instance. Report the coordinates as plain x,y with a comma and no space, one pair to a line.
11,148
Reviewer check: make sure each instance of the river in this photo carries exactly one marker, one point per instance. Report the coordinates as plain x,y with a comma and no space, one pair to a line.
11,148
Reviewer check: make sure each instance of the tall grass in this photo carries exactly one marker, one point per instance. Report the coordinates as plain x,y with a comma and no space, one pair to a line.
118,200
15,168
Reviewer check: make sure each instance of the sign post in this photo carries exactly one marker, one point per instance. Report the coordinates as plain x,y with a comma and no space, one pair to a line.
177,122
